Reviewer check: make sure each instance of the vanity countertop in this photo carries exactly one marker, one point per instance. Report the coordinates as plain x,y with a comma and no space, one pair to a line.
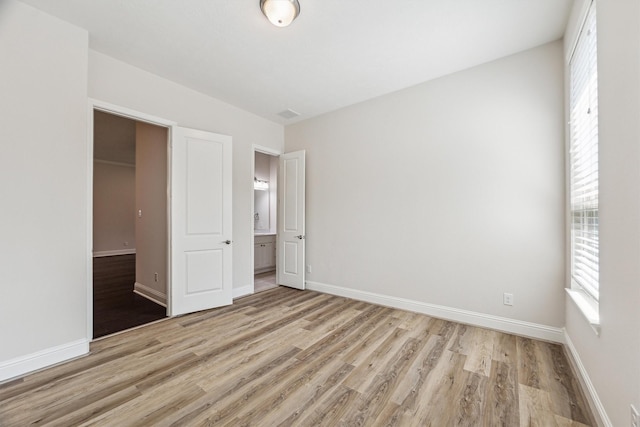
264,234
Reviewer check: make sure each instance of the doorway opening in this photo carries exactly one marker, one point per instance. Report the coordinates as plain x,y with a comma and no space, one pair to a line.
130,223
265,211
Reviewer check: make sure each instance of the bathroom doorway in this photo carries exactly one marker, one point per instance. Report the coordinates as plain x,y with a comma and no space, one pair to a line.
265,203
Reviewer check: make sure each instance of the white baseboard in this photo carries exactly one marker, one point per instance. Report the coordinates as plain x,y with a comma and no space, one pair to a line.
242,291
98,254
150,294
592,395
41,359
503,324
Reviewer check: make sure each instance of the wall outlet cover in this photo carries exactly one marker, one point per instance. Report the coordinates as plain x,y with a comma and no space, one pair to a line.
507,299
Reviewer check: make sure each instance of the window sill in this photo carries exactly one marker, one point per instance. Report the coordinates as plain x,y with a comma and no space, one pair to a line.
587,307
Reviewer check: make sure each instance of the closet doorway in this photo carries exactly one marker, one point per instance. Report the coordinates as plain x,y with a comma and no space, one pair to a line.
265,221
129,223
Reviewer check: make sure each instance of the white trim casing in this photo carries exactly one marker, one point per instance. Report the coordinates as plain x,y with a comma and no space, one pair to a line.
94,104
150,294
89,225
581,8
597,408
503,324
43,359
586,307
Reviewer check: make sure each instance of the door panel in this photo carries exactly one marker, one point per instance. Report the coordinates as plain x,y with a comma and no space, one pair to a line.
204,271
291,232
200,221
291,177
290,258
204,186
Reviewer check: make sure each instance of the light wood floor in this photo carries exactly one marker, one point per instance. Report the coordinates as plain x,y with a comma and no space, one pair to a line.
264,281
287,357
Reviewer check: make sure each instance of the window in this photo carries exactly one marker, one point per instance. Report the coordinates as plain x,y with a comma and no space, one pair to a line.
583,160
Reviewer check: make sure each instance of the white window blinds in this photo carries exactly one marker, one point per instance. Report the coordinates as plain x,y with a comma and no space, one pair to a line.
583,158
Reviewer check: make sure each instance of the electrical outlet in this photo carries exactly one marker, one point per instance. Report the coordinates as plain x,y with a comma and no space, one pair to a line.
507,299
308,268
635,417
126,243
155,276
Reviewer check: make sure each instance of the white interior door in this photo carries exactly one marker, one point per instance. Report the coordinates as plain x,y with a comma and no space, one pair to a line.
200,221
291,231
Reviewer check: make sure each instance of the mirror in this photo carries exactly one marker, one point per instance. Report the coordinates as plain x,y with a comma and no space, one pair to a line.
261,214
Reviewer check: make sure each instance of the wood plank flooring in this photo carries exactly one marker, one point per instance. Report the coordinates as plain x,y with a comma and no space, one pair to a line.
264,281
115,306
297,358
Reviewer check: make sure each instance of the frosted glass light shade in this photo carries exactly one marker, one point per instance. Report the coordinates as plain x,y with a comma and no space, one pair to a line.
280,12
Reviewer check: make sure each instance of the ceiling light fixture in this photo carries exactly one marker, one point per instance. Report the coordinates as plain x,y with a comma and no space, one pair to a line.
280,12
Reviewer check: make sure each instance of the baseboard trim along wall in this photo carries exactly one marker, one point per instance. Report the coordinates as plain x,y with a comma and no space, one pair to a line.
592,395
242,291
503,324
150,294
99,254
42,359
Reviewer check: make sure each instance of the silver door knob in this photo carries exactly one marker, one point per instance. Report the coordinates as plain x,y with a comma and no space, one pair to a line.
300,237
227,242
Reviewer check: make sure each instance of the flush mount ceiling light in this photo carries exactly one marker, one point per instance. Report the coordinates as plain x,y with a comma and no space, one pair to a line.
280,12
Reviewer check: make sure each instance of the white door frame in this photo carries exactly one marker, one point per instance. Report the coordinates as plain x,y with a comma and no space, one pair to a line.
117,110
271,152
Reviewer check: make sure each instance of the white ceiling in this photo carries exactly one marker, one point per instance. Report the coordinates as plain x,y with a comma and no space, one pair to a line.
337,53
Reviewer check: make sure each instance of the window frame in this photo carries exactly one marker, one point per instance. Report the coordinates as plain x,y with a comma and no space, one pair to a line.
586,300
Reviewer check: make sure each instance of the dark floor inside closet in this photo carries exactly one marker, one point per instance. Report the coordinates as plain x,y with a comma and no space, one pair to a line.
115,306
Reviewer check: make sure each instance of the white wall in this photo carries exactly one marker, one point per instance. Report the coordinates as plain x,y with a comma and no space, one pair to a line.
612,360
43,273
121,84
447,193
151,199
114,203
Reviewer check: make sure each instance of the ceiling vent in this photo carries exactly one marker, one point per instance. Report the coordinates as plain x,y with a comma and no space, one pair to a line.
288,114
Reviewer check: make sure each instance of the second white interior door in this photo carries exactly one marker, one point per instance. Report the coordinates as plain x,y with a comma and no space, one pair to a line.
291,220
